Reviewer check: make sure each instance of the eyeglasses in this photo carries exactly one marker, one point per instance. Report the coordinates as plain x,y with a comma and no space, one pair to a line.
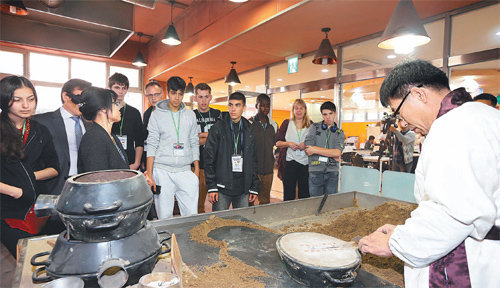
153,95
396,113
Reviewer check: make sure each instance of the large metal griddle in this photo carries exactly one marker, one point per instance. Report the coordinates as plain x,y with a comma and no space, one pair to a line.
257,247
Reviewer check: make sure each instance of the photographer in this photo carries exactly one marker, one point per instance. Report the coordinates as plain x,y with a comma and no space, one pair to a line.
403,154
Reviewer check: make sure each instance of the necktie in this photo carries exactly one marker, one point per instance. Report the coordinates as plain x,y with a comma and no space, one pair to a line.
78,130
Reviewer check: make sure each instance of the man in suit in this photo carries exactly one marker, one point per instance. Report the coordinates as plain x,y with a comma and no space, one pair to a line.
66,127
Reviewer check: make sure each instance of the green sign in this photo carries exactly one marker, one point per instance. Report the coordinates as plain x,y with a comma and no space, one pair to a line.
293,65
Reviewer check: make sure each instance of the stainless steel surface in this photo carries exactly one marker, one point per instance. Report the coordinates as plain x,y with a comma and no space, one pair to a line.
45,205
90,27
65,282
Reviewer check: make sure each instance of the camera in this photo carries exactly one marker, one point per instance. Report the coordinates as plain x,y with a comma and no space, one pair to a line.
387,121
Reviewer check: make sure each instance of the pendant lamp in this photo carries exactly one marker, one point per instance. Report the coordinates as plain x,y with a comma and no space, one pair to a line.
232,78
190,88
139,59
325,54
171,37
15,7
405,30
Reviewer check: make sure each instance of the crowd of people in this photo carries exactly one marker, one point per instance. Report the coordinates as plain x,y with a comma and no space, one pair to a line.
193,155
187,156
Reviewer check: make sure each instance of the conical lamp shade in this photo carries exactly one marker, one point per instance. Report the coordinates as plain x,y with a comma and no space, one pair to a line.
171,37
15,7
232,77
189,89
139,60
405,28
325,54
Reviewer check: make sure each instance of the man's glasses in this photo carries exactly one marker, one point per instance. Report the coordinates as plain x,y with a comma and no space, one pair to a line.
396,113
153,95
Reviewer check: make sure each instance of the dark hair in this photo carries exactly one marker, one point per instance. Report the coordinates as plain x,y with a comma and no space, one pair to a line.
263,97
238,96
95,99
203,86
371,137
404,75
488,97
10,137
152,83
176,83
328,105
73,84
119,79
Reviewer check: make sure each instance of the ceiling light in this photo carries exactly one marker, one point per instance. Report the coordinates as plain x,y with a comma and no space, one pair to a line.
139,59
391,56
190,88
498,33
404,30
238,1
232,77
15,7
171,37
323,96
313,101
324,70
279,79
325,54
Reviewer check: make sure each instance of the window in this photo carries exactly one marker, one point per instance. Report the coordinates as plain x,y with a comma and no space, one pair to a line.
48,68
282,105
477,78
11,63
135,100
131,73
314,100
49,99
92,71
476,30
252,81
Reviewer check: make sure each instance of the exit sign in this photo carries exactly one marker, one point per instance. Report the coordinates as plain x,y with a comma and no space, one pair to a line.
293,65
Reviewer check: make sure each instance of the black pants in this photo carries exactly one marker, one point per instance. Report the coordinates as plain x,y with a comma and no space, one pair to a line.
10,236
295,173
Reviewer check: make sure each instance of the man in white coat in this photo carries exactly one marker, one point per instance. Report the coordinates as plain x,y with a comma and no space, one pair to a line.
452,237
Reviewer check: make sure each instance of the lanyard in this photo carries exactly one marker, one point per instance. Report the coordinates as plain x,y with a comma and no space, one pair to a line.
178,126
118,148
328,133
123,117
24,127
235,141
265,122
299,131
206,124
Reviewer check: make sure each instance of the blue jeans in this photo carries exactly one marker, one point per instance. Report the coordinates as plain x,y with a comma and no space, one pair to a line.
225,200
321,183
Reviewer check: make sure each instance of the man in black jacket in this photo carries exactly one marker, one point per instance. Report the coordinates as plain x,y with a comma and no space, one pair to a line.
230,159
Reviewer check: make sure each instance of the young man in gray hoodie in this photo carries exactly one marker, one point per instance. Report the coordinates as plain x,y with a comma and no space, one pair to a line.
173,145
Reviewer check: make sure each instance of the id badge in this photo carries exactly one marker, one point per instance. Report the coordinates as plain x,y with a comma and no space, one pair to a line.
123,140
300,153
178,149
237,163
323,159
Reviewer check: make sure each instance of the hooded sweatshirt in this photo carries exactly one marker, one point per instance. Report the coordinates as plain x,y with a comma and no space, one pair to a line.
163,136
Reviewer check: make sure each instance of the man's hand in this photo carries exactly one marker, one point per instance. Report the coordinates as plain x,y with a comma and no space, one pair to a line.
134,166
377,243
197,172
252,198
213,197
149,179
310,150
392,128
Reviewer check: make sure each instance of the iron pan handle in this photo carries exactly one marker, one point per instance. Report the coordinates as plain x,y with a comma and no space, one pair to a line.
164,244
96,210
37,255
90,226
37,279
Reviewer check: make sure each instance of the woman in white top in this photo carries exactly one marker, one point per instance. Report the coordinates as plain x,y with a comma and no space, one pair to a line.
292,160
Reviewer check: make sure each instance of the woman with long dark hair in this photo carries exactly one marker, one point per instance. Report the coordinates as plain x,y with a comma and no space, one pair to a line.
27,158
99,148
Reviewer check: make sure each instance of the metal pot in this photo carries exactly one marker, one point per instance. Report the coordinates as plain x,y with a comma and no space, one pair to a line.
318,260
133,256
101,205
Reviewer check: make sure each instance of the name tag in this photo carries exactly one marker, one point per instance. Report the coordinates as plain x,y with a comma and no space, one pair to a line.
323,159
300,153
237,161
123,140
178,149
